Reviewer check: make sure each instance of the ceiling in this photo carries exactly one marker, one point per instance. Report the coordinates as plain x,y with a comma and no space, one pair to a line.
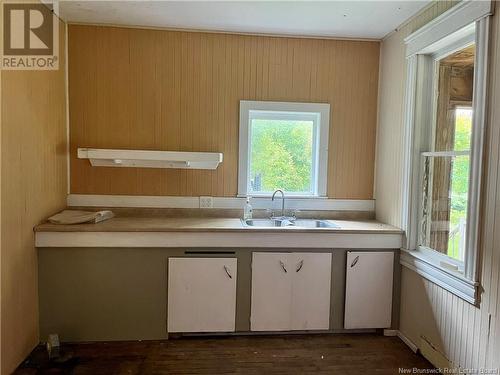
341,19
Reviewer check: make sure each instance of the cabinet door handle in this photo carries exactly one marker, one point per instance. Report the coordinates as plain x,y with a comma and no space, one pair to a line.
283,266
355,261
299,266
227,272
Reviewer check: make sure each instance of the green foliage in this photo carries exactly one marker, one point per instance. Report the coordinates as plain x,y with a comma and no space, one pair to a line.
460,174
461,164
463,127
281,155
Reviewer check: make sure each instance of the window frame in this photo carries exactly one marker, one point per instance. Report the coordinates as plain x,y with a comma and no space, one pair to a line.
319,113
464,24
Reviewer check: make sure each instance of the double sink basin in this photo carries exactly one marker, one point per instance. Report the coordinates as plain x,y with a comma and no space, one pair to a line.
285,223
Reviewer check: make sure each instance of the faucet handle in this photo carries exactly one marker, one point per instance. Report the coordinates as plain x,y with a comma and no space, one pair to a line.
294,213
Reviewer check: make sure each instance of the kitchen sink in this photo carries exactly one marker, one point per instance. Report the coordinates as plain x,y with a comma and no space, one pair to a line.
310,223
262,223
299,223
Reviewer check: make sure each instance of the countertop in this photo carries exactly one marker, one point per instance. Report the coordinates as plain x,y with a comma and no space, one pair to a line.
168,224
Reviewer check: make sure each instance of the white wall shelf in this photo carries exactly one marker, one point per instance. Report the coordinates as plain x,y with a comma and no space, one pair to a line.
150,159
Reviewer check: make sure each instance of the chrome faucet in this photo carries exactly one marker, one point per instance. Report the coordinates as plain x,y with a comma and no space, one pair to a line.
282,201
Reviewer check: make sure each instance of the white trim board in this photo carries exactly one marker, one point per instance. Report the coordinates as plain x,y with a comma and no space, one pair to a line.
407,341
141,201
247,239
460,16
455,284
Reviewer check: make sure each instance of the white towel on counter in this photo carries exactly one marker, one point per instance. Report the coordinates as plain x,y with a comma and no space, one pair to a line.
80,217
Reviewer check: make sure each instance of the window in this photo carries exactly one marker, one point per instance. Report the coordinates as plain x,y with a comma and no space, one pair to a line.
445,121
446,165
283,146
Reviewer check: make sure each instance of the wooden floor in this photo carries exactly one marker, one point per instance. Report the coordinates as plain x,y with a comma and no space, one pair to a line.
293,354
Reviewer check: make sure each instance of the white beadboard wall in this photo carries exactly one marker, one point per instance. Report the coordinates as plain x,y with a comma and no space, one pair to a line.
469,337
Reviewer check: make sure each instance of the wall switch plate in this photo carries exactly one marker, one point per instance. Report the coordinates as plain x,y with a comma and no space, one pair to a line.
206,202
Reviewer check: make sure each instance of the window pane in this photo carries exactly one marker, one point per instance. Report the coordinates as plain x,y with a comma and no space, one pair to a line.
446,176
455,89
281,155
443,222
463,128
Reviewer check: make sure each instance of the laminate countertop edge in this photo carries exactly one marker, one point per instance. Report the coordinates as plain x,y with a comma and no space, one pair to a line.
213,225
144,232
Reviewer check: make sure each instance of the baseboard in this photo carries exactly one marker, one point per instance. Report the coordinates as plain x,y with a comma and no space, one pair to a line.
435,356
407,341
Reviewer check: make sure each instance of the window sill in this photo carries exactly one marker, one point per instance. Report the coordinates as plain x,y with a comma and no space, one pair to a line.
453,282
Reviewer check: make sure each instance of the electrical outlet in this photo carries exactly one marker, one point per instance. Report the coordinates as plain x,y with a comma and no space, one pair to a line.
206,202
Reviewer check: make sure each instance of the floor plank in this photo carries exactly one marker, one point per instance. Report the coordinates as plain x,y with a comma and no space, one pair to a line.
285,354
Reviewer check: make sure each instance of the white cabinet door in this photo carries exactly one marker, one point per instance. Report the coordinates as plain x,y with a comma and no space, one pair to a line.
201,294
311,290
271,292
368,299
290,291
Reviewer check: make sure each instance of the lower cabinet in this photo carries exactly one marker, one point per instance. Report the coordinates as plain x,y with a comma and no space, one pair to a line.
201,294
290,291
368,297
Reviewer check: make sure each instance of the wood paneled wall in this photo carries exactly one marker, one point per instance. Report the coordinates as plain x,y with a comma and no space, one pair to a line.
389,161
169,90
465,334
34,185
